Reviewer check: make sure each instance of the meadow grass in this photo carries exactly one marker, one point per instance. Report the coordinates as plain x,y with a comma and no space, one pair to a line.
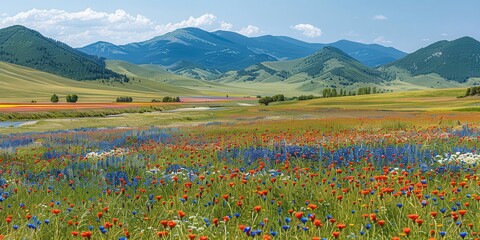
279,179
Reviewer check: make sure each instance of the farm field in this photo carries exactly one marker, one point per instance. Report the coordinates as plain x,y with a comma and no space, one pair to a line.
313,169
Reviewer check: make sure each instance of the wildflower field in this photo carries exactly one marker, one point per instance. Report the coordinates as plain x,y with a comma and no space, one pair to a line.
286,179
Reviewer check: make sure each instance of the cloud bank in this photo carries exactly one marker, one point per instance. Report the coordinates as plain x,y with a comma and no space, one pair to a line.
120,27
308,30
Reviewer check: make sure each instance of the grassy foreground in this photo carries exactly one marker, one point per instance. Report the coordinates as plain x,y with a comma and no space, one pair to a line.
274,179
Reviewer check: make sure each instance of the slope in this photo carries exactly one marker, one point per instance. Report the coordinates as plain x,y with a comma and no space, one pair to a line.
327,64
22,84
456,60
26,47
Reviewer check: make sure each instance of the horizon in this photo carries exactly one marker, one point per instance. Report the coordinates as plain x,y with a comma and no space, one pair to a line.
121,22
326,43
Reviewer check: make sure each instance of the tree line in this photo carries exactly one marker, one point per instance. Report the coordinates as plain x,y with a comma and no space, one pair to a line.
70,98
472,91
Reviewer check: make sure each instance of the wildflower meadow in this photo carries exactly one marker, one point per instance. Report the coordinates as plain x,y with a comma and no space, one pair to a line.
275,180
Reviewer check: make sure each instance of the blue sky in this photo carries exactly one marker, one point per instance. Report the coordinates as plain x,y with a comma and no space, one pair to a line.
406,24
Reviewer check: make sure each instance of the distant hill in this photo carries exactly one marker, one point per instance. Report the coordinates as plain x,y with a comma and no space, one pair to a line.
286,48
22,46
372,55
223,50
456,60
192,45
328,63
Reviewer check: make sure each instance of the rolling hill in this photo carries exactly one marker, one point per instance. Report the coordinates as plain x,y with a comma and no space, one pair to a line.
327,64
23,84
456,60
221,51
26,47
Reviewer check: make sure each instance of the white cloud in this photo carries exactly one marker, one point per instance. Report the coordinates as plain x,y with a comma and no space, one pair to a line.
249,30
86,26
425,39
225,26
379,17
308,30
204,20
381,40
444,34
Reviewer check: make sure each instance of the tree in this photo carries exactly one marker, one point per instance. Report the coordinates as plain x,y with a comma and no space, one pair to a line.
54,98
72,98
265,100
124,99
278,98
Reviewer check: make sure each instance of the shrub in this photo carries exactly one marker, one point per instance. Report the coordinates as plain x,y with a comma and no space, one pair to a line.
72,98
265,100
171,99
54,98
124,99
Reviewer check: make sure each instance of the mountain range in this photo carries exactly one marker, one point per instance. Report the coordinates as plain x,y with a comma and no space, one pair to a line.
227,57
221,51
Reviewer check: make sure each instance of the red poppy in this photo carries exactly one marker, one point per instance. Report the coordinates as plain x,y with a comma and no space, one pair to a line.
181,213
87,234
317,223
298,215
55,211
162,233
413,216
381,222
419,221
171,224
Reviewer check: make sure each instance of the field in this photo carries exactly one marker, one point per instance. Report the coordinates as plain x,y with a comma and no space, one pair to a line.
384,166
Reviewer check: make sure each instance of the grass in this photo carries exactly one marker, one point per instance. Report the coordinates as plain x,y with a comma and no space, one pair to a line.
331,177
21,84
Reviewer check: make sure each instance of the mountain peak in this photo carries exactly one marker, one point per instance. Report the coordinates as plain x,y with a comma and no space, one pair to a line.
466,39
456,60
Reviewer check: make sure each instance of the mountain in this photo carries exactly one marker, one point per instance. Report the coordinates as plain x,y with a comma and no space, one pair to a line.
372,55
223,50
286,48
281,48
330,63
22,46
456,60
192,45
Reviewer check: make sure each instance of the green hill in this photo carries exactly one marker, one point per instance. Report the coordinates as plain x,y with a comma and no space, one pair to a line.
456,60
327,64
22,84
22,46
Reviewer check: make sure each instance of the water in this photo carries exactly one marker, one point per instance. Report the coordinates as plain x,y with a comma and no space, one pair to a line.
13,124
